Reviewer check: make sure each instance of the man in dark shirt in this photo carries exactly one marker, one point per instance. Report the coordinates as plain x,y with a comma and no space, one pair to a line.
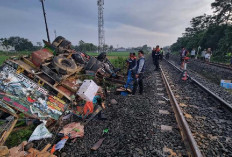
131,62
156,56
139,70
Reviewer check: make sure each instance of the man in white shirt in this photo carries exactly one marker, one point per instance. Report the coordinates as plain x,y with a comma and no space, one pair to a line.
193,53
207,57
203,54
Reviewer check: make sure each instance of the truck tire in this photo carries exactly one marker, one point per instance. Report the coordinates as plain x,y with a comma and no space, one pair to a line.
78,58
93,64
64,65
58,41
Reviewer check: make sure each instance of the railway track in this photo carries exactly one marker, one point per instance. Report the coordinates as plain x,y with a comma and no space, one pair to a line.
207,115
221,100
183,125
225,66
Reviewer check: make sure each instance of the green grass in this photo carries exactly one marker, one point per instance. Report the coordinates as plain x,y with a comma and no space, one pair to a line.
3,58
5,55
17,137
219,59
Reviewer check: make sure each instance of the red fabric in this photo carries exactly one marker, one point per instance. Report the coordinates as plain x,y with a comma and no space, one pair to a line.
88,108
29,99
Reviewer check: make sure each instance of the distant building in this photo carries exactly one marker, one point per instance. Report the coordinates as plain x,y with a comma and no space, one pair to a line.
9,48
149,49
121,49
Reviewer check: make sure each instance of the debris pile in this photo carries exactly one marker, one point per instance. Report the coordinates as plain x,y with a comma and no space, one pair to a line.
52,85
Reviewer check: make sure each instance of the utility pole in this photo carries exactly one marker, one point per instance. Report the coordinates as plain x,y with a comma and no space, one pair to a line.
42,1
55,33
101,33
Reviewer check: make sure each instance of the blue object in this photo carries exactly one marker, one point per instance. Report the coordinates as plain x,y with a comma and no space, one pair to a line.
124,93
95,99
129,82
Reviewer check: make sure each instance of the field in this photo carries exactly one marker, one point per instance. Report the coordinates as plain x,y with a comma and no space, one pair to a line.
6,55
3,58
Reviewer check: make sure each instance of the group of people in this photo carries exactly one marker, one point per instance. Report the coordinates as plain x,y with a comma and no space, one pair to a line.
137,68
205,54
157,56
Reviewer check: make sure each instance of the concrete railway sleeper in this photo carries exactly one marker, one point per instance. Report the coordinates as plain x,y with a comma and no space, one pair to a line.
209,119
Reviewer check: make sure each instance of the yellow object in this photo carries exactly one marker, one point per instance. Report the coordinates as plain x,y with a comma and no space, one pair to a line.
40,83
19,70
59,95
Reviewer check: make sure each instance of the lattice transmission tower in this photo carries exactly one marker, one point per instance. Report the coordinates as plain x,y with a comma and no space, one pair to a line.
101,33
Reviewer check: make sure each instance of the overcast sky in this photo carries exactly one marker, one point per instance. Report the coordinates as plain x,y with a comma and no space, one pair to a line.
127,22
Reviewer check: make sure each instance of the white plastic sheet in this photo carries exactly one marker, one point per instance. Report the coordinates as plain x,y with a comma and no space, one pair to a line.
40,132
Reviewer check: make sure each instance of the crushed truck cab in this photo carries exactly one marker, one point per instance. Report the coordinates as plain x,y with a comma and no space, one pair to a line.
46,84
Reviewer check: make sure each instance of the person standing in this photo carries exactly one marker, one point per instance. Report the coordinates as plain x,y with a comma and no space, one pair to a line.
198,52
207,57
139,70
161,54
167,54
183,53
203,54
209,51
131,62
193,53
156,56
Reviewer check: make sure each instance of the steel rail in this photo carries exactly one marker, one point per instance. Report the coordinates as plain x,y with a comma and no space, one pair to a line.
217,65
228,105
221,65
183,125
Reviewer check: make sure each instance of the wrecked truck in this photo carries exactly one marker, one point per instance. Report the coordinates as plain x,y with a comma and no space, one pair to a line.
54,81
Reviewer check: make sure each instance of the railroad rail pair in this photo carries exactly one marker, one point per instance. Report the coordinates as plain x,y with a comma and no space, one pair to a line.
183,125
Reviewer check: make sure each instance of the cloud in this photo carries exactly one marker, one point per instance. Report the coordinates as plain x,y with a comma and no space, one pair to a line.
127,23
134,36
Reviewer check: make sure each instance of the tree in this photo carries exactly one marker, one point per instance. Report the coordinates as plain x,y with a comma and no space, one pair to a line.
39,44
20,44
81,46
85,47
198,24
223,11
145,48
5,43
210,31
105,47
111,48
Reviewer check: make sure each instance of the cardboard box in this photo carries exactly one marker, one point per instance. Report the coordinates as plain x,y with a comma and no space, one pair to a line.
88,90
226,84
